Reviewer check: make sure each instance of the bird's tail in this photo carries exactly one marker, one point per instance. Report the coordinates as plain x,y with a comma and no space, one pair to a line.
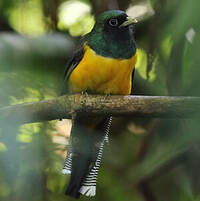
79,171
84,169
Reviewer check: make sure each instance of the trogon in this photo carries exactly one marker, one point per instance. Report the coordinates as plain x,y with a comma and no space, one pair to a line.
103,64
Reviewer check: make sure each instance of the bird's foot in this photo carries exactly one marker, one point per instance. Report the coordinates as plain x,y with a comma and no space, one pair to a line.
106,96
84,97
84,93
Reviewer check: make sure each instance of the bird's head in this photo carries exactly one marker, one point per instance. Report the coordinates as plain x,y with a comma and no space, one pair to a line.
116,25
113,35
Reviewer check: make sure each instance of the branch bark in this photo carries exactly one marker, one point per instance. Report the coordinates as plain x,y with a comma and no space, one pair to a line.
137,106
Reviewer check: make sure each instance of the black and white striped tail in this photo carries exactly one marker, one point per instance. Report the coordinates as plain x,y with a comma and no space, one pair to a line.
88,186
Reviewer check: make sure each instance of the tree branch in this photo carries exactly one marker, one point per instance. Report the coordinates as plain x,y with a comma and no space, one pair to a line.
137,106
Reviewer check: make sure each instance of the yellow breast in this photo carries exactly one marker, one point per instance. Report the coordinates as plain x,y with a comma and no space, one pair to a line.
102,75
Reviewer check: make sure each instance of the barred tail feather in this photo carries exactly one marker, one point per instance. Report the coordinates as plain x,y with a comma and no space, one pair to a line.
88,187
68,164
64,171
82,181
68,161
88,190
79,170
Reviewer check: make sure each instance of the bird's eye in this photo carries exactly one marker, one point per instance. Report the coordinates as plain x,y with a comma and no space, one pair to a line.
113,22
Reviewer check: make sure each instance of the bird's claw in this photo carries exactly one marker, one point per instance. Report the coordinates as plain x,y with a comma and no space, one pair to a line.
85,96
106,96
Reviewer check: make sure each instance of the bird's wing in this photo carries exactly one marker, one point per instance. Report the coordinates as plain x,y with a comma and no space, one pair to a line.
132,85
77,57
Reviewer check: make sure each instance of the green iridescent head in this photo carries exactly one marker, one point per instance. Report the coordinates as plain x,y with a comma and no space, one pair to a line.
113,35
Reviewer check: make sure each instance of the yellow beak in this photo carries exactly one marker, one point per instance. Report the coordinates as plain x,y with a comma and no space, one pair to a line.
129,20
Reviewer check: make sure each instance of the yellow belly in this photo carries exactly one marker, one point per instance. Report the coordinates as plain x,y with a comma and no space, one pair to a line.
102,75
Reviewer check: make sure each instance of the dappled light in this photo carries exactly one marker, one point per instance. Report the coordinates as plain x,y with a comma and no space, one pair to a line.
78,23
26,17
141,10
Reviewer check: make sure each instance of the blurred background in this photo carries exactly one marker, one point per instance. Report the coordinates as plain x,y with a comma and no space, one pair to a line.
149,159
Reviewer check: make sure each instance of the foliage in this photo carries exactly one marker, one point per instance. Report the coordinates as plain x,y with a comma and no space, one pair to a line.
149,159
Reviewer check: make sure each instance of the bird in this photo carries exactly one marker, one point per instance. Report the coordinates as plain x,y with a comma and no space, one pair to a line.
103,64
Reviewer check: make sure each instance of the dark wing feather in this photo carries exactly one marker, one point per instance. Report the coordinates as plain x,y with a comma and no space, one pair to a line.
77,57
132,85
